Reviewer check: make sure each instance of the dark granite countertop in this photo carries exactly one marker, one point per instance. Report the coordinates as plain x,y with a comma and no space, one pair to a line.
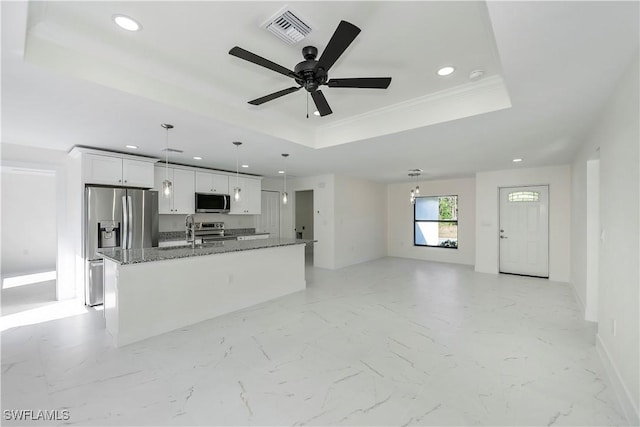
135,256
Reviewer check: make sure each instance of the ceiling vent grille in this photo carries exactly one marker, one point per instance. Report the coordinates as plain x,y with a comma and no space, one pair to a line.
287,26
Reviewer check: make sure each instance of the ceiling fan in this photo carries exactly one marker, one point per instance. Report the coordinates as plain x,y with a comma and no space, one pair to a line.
311,74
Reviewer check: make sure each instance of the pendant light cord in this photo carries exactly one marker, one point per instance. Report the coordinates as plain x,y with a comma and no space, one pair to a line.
166,126
307,105
166,157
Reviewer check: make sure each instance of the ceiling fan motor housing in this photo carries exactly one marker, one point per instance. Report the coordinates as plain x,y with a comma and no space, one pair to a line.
312,78
311,74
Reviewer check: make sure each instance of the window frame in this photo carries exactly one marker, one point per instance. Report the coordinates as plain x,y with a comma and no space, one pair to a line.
456,221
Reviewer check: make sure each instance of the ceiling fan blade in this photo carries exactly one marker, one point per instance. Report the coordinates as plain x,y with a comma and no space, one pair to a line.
259,60
362,82
274,95
321,103
340,41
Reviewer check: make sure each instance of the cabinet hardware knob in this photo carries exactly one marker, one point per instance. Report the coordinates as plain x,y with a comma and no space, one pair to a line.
125,180
119,180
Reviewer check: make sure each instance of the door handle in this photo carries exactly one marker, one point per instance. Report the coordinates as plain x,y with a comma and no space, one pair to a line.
130,210
125,223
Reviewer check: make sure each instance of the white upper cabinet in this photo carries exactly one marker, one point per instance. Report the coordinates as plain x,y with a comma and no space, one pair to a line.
182,199
212,183
250,202
102,170
108,170
137,174
124,170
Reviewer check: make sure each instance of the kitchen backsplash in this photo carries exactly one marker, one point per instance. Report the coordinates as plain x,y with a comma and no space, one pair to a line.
176,222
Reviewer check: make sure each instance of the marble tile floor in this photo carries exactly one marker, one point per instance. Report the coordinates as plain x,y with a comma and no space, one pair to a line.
390,342
28,297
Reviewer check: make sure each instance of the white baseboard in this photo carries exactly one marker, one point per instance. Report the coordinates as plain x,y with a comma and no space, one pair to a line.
577,297
629,407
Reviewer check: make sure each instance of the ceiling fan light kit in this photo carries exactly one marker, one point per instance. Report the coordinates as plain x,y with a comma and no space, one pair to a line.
310,74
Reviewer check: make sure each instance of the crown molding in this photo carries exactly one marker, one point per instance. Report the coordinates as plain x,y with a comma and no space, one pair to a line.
489,94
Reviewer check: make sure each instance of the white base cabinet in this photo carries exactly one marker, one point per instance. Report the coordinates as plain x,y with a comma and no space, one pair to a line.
254,237
209,286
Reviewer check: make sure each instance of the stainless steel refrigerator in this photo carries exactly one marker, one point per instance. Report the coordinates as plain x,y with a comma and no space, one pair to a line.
115,217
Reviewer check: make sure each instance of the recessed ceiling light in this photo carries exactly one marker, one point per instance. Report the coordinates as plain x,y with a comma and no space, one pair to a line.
133,147
127,23
445,71
517,160
245,166
197,158
280,171
316,113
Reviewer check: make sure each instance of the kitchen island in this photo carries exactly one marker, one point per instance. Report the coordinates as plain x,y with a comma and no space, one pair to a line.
156,290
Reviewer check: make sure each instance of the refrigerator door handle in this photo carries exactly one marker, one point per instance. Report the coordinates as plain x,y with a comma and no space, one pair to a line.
130,221
125,222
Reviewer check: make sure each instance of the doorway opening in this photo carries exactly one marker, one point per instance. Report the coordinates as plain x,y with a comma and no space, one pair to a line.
524,230
304,221
593,240
29,228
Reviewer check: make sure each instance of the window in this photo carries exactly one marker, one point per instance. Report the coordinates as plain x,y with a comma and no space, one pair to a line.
524,196
436,221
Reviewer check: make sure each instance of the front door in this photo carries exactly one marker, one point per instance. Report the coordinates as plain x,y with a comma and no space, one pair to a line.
524,230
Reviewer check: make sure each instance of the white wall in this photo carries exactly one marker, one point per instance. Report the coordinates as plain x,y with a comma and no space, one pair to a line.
400,224
68,208
593,240
324,213
176,222
558,178
360,221
349,218
617,135
28,221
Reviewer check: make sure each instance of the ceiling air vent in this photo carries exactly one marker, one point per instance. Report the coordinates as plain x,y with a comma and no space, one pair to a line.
287,26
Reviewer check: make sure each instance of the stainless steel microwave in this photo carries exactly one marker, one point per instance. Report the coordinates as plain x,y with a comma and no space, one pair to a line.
213,203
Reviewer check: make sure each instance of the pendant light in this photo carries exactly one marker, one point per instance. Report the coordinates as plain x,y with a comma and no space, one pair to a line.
415,192
285,195
236,189
166,184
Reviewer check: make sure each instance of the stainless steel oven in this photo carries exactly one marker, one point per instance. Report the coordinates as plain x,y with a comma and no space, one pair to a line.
205,231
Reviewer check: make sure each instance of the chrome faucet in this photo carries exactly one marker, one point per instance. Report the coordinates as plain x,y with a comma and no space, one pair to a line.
190,232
